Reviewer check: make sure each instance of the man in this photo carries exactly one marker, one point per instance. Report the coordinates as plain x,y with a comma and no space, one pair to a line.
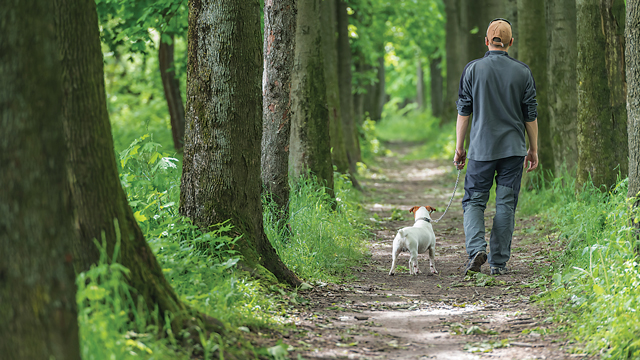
500,93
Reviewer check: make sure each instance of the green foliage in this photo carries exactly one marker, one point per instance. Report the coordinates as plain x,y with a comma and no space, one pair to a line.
402,31
113,325
595,292
135,97
411,126
323,242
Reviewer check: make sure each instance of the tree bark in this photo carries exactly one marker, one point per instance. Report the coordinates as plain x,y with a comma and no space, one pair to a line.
420,95
329,30
562,95
436,86
632,60
602,117
221,166
171,87
37,281
310,143
533,52
352,142
279,45
96,193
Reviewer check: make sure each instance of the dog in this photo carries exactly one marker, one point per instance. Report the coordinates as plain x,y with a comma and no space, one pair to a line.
417,239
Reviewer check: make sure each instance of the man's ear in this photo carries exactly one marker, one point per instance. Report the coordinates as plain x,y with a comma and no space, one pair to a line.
486,40
511,42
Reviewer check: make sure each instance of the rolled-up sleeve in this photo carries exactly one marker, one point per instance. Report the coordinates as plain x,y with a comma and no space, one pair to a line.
465,100
529,103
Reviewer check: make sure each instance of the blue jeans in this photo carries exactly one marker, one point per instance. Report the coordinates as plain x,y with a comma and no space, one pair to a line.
477,184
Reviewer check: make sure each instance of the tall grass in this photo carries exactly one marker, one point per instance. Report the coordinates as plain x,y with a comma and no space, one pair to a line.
596,291
324,242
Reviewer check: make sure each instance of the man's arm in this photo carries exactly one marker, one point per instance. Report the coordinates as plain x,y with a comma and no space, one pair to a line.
461,132
531,161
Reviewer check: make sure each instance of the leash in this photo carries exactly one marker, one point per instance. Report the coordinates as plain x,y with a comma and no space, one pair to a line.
451,200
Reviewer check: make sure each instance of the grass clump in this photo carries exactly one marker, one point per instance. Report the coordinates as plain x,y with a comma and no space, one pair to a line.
326,238
596,292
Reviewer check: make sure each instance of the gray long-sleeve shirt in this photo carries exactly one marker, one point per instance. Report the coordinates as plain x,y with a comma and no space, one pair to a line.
501,94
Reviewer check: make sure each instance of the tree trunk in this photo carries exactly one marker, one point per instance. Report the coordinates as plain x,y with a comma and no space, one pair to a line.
632,59
329,29
456,37
37,281
533,52
279,45
350,132
310,143
96,193
420,95
562,88
171,87
481,13
602,117
436,86
221,166
380,89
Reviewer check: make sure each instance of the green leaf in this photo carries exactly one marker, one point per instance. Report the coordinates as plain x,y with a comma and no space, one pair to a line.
139,217
598,289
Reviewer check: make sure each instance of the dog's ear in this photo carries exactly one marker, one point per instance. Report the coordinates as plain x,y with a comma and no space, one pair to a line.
414,209
431,209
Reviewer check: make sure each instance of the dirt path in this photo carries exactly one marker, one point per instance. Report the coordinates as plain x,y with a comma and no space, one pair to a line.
439,316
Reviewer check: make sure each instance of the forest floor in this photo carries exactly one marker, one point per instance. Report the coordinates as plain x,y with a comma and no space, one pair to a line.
445,316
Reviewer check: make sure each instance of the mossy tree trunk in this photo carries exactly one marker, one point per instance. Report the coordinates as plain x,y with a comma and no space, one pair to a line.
328,34
602,117
97,195
221,167
436,84
350,132
279,46
562,89
533,52
632,60
310,143
171,87
37,282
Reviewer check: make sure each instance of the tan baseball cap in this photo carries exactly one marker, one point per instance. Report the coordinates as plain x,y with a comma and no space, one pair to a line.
499,32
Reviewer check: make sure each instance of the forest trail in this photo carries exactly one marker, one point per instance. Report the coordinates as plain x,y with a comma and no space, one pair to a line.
444,316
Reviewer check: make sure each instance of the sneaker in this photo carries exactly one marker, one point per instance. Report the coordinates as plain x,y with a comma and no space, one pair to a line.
475,263
499,270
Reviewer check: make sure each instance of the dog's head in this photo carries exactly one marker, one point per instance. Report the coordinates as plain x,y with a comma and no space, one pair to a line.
416,210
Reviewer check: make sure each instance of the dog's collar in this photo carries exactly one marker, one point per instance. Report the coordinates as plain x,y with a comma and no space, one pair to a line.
424,218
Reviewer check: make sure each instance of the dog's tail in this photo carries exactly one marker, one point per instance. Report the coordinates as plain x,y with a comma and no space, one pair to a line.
402,240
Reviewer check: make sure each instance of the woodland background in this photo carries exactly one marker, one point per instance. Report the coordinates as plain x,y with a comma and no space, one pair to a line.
167,165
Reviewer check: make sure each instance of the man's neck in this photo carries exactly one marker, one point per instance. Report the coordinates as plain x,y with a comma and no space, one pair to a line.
495,48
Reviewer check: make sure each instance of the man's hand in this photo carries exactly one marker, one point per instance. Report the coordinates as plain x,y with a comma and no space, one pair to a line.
459,158
531,160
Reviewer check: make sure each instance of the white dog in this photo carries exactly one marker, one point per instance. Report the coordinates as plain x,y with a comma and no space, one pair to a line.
417,240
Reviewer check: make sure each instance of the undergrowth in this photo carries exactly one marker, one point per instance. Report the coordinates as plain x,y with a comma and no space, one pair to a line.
201,266
595,294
